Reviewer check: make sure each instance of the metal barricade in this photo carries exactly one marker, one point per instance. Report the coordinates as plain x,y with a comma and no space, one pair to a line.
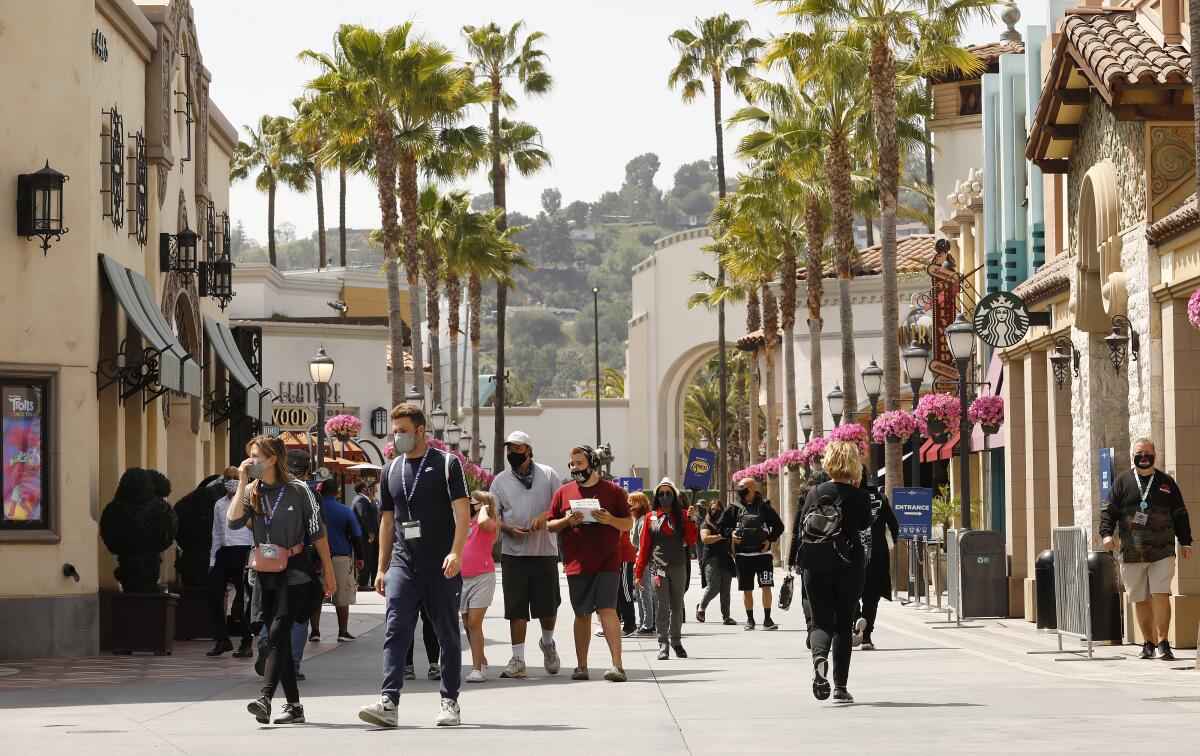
953,576
1071,596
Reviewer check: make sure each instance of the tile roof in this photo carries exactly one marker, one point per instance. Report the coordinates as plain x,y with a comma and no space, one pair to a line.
992,51
1183,218
1050,279
408,361
913,254
1119,51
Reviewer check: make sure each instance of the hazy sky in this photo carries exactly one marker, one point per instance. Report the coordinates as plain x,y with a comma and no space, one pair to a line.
610,101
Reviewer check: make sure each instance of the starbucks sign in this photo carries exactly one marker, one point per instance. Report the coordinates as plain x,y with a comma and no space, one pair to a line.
1001,319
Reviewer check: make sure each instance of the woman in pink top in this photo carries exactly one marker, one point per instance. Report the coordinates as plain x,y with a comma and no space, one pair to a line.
479,578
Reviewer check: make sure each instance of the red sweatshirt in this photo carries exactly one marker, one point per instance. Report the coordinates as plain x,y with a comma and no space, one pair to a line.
690,534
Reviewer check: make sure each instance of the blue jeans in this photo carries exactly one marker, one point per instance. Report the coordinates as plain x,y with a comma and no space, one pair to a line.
299,638
407,593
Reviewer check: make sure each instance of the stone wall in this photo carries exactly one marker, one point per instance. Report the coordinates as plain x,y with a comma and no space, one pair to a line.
1102,136
1145,375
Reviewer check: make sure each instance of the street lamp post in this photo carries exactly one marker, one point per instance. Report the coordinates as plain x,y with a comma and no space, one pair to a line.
872,376
482,448
438,418
916,361
836,402
454,435
960,336
417,398
596,325
320,369
806,422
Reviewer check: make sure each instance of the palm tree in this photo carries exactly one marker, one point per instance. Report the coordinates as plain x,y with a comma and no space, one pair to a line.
502,59
310,127
927,32
270,149
717,51
612,385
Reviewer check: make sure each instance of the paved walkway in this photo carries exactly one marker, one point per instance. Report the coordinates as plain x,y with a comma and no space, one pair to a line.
971,688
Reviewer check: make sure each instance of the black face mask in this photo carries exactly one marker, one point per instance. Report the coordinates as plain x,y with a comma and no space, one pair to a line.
665,500
743,493
516,460
581,475
1143,461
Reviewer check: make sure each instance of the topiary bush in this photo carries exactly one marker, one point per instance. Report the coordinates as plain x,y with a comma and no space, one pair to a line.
137,526
195,513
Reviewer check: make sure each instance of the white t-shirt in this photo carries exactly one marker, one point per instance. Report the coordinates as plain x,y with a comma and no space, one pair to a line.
517,506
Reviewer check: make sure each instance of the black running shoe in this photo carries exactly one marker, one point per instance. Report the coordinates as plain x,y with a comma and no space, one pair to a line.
679,652
664,652
245,651
1147,651
293,713
344,636
770,625
221,647
821,678
261,709
749,625
840,695
1164,651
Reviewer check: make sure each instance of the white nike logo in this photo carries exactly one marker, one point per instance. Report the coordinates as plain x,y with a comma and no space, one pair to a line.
428,469
289,508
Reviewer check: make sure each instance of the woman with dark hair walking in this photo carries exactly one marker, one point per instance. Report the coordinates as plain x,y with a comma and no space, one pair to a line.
716,564
666,536
878,582
282,512
832,558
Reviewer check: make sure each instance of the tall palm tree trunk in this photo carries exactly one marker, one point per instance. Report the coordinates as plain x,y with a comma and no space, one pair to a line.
755,409
499,200
407,169
883,96
742,418
475,298
838,167
723,470
770,328
453,302
929,158
271,225
385,166
787,315
322,254
342,215
814,230
433,314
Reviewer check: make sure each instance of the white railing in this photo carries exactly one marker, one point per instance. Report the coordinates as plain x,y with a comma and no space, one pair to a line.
1072,602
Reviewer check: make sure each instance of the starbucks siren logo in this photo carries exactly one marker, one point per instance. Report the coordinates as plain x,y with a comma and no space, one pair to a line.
1001,319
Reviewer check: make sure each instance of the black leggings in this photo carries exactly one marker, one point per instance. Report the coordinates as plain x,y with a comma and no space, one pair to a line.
433,651
281,667
870,607
834,596
625,599
229,567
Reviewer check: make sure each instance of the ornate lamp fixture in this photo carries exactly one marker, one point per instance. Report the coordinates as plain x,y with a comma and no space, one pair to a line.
1122,336
177,253
1064,357
40,205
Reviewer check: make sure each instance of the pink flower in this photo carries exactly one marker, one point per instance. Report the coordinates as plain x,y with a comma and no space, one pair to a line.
792,457
771,466
987,410
343,425
943,407
893,423
389,450
852,433
1194,309
813,450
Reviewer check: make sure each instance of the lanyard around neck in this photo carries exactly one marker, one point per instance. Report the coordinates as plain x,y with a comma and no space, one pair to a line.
416,478
1145,492
274,508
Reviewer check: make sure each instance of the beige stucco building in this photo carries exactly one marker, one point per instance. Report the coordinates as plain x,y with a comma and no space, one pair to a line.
1112,134
106,358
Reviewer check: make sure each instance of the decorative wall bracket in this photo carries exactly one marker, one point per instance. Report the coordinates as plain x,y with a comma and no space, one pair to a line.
133,372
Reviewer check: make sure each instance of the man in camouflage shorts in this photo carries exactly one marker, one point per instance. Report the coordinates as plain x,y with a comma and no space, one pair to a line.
1147,511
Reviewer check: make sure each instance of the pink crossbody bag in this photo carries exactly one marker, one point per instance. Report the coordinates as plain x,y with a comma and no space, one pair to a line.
267,557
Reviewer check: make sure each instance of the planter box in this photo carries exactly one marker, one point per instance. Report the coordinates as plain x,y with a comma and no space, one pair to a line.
143,622
192,619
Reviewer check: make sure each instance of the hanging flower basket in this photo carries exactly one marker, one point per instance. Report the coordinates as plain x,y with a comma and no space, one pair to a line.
343,427
812,451
854,434
988,411
793,459
894,426
772,467
937,413
1194,309
389,450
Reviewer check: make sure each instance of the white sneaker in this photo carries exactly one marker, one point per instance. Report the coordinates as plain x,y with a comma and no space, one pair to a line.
451,715
859,628
477,676
382,714
514,669
550,653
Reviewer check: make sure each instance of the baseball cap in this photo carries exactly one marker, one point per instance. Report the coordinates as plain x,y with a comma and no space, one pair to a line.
518,437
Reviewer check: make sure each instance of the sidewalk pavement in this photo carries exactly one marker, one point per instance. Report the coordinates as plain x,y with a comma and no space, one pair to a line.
926,688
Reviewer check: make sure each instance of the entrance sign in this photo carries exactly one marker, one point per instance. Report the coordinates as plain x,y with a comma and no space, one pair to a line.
914,511
700,468
1001,319
631,484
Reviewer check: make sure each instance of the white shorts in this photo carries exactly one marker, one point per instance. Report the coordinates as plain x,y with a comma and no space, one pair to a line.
1142,579
478,591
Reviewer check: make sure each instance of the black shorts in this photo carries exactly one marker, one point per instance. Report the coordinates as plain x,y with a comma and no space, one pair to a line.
590,593
530,585
753,568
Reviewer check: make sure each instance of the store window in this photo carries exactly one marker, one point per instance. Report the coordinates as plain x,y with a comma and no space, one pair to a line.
24,477
970,99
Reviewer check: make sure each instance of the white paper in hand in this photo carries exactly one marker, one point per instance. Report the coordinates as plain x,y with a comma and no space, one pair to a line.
586,507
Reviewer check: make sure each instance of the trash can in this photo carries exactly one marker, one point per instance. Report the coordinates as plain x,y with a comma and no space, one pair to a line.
1104,597
984,582
1043,573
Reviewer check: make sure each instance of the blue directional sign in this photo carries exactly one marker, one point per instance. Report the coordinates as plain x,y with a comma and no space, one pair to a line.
1106,473
631,484
701,463
914,511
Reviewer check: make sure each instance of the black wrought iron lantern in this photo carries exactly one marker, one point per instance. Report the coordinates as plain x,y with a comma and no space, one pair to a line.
1122,339
1065,357
40,205
379,422
177,253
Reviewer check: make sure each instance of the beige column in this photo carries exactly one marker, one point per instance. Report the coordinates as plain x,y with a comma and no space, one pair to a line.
1015,524
966,241
1181,455
980,247
1060,447
1037,468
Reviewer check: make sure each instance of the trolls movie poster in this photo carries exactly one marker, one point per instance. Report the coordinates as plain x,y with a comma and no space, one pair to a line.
22,430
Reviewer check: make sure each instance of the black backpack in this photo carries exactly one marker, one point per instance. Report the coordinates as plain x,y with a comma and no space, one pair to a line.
822,546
